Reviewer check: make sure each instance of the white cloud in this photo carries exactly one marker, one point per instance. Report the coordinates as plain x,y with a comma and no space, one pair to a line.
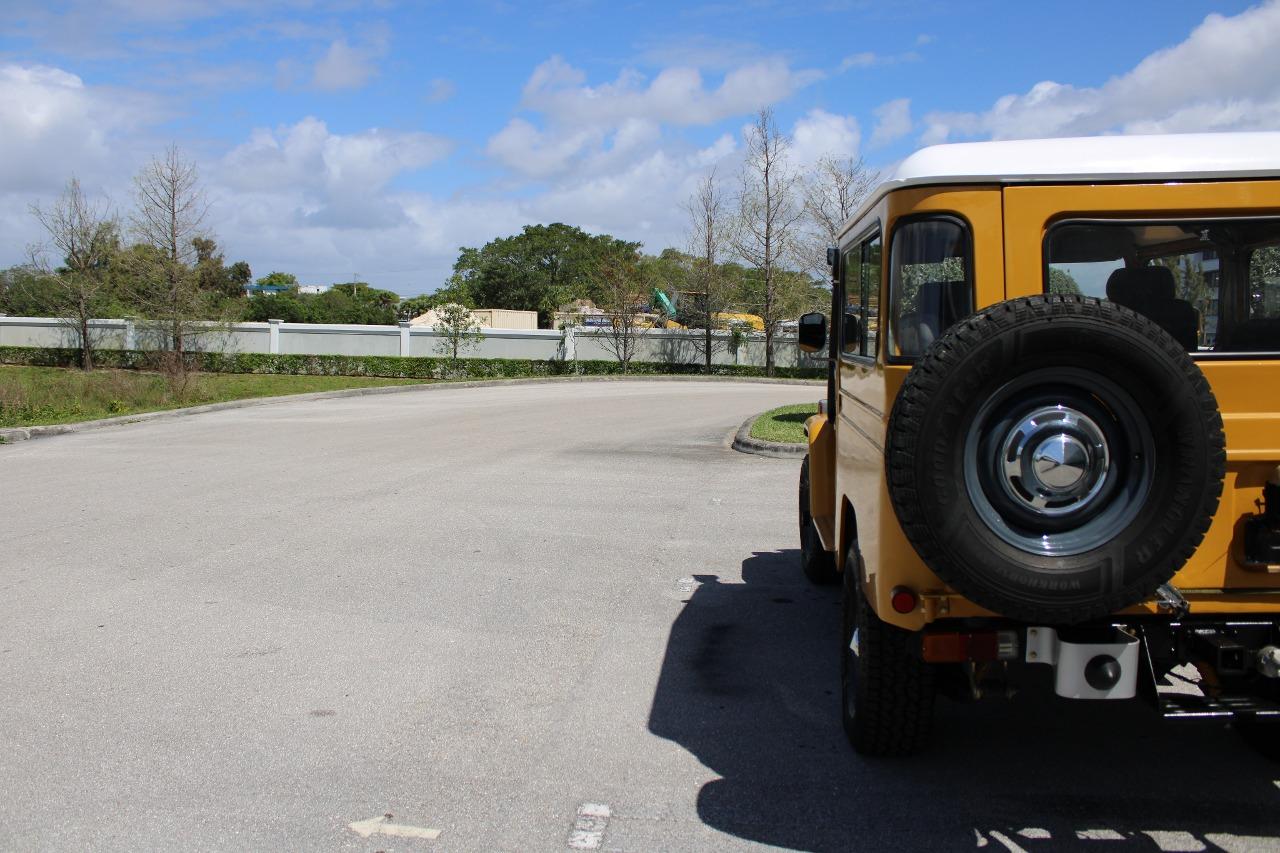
55,125
674,96
858,60
440,90
1221,77
344,66
893,121
522,147
588,128
307,156
868,59
820,134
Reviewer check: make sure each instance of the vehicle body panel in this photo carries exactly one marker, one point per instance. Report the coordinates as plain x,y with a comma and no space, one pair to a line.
1008,224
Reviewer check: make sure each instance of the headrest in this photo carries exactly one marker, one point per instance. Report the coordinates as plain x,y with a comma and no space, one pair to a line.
1131,286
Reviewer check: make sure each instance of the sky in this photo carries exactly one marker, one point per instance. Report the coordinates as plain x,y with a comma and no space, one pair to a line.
340,140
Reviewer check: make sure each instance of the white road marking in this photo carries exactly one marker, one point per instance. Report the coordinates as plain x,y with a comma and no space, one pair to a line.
379,826
1099,835
1008,842
1034,832
589,826
1242,843
1175,842
982,841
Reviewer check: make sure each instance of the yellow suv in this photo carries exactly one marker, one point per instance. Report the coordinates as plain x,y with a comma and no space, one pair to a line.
1052,430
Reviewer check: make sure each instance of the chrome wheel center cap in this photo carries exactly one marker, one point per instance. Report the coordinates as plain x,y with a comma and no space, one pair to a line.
1060,462
1053,461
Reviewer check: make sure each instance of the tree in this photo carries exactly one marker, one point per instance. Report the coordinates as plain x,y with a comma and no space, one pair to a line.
1264,281
833,191
215,277
289,307
1060,281
458,330
286,280
710,231
623,295
25,291
416,306
168,220
768,218
1189,279
87,237
539,269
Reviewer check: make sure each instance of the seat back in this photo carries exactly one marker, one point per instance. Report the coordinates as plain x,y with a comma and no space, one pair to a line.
1150,291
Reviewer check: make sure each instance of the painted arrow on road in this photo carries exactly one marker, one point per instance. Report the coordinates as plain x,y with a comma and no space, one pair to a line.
379,826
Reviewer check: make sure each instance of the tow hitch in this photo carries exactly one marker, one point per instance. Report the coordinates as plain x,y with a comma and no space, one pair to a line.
1088,663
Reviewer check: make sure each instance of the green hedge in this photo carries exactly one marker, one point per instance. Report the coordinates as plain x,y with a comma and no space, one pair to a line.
386,366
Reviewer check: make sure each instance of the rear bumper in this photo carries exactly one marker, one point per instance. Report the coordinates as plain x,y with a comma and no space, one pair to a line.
1184,667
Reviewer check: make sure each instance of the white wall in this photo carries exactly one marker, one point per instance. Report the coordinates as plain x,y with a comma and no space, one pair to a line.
658,345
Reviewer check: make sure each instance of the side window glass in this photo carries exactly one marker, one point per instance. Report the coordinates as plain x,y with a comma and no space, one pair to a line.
871,296
1195,282
851,274
1264,283
930,284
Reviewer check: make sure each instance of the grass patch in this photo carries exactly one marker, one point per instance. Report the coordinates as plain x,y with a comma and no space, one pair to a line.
33,396
784,424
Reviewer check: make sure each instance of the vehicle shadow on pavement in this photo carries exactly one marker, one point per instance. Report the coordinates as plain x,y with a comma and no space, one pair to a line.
749,685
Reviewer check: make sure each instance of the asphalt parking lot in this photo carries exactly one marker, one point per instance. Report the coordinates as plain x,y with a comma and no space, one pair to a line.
539,617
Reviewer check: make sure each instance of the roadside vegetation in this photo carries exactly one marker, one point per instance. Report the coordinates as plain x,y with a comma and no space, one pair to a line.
754,248
33,396
784,424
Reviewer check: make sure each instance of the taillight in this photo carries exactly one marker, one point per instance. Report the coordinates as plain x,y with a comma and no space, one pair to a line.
903,600
953,647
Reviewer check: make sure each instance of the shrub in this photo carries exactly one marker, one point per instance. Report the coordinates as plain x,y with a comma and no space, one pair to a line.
384,366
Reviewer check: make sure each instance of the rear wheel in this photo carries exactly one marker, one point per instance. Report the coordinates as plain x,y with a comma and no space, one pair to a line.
887,691
818,563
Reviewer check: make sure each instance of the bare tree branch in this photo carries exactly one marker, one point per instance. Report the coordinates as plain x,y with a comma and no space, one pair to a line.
85,235
710,232
623,297
768,219
168,220
833,191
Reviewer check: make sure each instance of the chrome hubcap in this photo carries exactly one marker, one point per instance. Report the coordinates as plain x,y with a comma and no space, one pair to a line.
1054,461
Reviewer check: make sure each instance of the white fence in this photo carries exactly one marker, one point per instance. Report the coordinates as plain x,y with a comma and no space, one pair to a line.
660,345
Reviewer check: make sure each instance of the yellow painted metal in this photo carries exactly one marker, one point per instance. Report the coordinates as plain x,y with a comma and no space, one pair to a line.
866,395
1008,226
1248,392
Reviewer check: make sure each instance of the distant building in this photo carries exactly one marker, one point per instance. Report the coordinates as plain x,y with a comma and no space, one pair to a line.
581,312
265,289
273,289
489,318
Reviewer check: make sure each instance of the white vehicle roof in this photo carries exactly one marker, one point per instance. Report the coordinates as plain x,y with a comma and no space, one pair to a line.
1183,156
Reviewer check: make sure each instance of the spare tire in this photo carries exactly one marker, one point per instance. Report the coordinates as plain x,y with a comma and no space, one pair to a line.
1055,458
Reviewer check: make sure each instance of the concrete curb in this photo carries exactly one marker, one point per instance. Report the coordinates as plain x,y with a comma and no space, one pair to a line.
15,434
744,443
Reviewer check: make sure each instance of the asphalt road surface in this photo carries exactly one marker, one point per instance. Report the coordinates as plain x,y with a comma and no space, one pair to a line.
541,617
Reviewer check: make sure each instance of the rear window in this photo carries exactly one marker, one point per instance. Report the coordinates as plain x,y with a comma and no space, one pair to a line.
930,283
1212,284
